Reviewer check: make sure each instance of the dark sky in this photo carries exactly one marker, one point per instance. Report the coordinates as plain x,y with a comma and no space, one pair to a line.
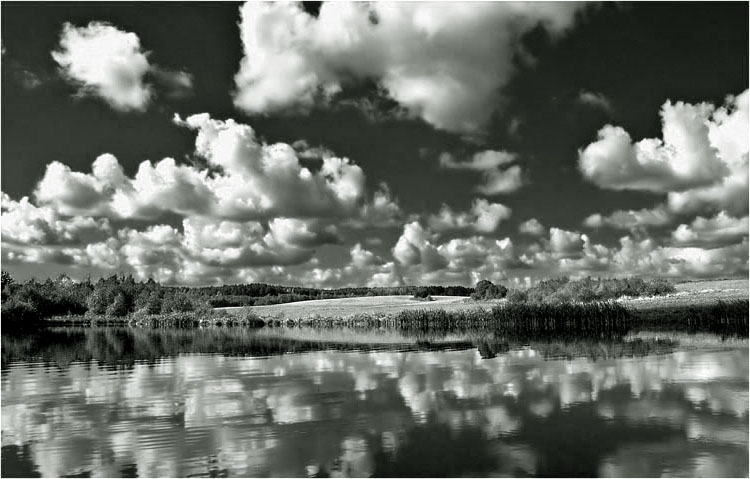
634,57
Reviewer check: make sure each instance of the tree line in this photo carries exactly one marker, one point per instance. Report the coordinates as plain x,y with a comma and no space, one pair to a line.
121,295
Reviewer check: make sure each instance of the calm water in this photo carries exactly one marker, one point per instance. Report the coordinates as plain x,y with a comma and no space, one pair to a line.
115,403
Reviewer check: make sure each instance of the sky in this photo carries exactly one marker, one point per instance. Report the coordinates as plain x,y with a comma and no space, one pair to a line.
353,144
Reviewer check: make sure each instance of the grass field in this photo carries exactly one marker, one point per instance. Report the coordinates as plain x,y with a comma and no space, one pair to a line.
374,305
688,294
694,293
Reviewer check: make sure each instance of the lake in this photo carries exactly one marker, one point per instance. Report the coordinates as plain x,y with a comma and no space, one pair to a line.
119,402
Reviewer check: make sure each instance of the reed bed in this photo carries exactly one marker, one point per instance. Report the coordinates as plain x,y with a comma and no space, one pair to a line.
588,319
722,317
180,320
531,320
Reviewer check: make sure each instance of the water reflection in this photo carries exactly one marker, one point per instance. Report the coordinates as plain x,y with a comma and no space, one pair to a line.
374,413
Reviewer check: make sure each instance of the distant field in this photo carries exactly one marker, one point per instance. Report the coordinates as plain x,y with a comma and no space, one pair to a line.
693,293
341,307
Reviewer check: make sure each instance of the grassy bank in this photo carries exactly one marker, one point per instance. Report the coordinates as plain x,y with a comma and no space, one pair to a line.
539,319
187,319
598,319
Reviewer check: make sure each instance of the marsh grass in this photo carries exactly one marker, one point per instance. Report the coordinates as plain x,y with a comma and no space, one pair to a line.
184,319
533,320
721,317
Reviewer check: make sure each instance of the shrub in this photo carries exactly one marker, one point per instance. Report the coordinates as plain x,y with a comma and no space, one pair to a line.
176,302
149,301
17,313
119,306
517,296
596,289
487,290
422,293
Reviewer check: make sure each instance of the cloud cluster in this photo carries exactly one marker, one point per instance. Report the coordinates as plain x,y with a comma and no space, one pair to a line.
575,254
109,63
256,182
497,176
531,227
701,166
445,63
484,217
717,231
25,223
701,162
252,212
630,219
425,259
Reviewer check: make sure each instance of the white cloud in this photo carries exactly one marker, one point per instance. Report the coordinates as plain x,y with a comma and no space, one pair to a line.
105,62
531,227
382,211
415,248
630,219
456,261
361,258
176,84
647,258
729,133
257,181
501,181
702,166
702,158
636,258
495,180
416,51
109,63
717,231
595,99
71,192
389,276
565,242
24,223
482,161
484,217
206,250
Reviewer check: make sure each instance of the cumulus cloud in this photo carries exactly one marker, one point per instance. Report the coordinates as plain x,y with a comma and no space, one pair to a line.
382,211
717,231
414,247
630,219
425,260
701,165
531,227
729,133
25,223
484,217
109,63
565,242
634,257
362,258
497,178
702,157
256,181
645,257
204,250
417,52
253,212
